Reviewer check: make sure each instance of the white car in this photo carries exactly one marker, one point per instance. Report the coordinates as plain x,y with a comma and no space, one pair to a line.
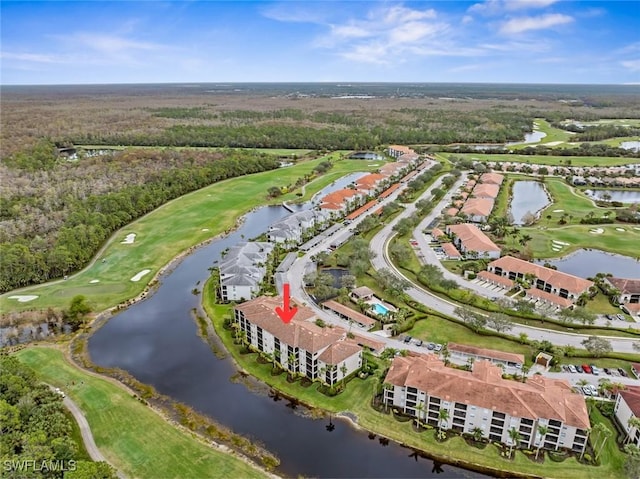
572,368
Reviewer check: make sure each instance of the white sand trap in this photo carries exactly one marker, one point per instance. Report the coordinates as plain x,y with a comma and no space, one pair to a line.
553,143
94,281
596,231
620,229
139,276
205,229
636,228
556,249
24,298
558,211
560,243
130,238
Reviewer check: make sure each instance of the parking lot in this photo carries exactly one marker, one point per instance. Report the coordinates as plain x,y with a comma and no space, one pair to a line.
433,347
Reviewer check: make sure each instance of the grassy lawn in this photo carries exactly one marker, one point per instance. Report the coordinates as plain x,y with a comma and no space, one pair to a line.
553,134
357,400
168,231
132,437
550,160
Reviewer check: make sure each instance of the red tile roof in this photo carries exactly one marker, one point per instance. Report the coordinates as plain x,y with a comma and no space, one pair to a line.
437,233
298,333
339,196
389,190
452,211
348,312
486,190
549,297
478,207
451,250
625,286
556,278
495,278
472,239
539,397
494,178
631,395
361,210
487,353
371,179
339,351
368,342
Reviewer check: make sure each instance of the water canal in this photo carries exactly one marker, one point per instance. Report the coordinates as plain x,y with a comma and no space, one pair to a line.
156,340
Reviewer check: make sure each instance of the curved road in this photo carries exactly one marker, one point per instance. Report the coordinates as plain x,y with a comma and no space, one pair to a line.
85,431
379,246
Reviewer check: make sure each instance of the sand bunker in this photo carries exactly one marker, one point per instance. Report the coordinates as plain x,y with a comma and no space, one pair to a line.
636,228
560,243
558,211
205,229
556,249
596,231
139,276
130,238
24,298
620,229
553,143
94,281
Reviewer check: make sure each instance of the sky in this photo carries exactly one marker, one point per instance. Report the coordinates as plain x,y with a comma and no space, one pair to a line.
506,41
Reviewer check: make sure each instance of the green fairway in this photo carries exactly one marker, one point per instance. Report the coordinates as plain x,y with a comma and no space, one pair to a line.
170,230
132,437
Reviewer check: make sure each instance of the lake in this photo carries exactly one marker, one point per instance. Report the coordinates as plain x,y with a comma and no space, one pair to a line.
587,263
630,145
527,197
624,196
156,341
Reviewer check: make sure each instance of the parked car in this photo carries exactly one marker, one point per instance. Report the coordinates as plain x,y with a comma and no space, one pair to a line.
419,342
438,347
607,371
594,390
431,346
620,317
579,368
595,370
572,368
608,316
586,368
407,339
586,390
622,372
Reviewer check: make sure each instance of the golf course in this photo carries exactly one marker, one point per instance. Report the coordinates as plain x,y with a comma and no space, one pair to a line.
134,439
135,254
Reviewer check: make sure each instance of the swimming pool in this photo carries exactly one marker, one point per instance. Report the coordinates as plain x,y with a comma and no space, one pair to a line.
380,309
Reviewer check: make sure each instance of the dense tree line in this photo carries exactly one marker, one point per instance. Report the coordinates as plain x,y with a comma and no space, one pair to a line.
54,219
330,130
584,149
34,427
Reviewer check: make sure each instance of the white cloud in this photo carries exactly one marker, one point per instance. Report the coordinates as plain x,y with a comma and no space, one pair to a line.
541,22
467,19
33,57
633,65
494,7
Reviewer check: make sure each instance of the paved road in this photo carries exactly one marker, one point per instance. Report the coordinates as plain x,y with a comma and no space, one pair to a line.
379,247
85,431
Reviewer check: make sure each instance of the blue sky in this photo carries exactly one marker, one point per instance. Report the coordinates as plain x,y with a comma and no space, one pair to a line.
524,41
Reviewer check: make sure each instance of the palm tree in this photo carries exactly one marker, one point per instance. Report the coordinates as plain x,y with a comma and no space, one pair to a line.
343,370
634,424
445,355
323,375
525,371
514,438
604,433
477,434
419,411
443,417
542,432
292,364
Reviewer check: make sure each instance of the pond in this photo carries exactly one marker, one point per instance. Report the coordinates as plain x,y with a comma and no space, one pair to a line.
527,197
630,145
156,341
624,196
533,137
587,263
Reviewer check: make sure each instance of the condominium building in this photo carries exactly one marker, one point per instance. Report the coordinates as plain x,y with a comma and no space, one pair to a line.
471,241
628,407
423,386
299,346
242,270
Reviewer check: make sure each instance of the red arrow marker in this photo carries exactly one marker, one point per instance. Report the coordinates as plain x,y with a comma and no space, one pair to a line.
286,314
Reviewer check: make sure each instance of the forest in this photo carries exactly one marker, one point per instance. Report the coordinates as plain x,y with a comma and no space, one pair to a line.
36,430
55,214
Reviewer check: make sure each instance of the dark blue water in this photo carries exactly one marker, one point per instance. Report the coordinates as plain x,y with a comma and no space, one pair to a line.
156,341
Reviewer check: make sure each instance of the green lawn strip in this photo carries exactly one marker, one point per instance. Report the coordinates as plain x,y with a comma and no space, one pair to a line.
357,399
165,233
132,437
76,436
552,135
549,159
